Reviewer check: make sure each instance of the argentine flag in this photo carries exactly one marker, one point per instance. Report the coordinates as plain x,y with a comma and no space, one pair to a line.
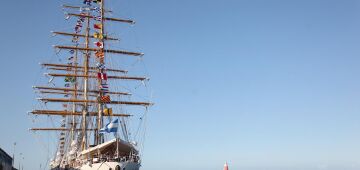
110,127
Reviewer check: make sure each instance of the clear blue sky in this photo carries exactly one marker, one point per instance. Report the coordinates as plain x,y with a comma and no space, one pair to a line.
263,84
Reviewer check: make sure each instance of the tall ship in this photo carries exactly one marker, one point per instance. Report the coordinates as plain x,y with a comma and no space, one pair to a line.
90,107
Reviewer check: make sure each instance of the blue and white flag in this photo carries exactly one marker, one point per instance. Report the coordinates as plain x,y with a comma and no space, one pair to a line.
110,127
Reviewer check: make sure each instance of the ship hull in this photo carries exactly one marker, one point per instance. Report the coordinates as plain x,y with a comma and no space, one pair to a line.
113,165
128,165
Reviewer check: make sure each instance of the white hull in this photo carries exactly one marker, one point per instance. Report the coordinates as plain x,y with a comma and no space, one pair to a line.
127,165
112,165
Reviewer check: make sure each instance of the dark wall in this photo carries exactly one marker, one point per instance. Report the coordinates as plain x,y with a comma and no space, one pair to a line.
5,158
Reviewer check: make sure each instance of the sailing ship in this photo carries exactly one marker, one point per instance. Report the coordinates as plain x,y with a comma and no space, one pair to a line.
85,103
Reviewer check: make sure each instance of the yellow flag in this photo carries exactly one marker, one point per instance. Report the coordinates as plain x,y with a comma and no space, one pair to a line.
108,111
98,35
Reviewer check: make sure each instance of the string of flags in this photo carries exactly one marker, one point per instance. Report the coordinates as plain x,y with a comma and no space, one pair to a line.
99,37
62,138
99,54
75,39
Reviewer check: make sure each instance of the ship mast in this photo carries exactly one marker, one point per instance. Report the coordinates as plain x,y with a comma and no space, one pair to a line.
99,137
86,81
75,96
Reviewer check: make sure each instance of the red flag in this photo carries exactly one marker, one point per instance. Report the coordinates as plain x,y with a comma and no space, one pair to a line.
102,76
99,44
105,99
97,26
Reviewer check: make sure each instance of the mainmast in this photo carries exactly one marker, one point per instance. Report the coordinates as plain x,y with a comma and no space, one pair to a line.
99,137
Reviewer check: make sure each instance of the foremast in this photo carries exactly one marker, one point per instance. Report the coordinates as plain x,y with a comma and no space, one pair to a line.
86,87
